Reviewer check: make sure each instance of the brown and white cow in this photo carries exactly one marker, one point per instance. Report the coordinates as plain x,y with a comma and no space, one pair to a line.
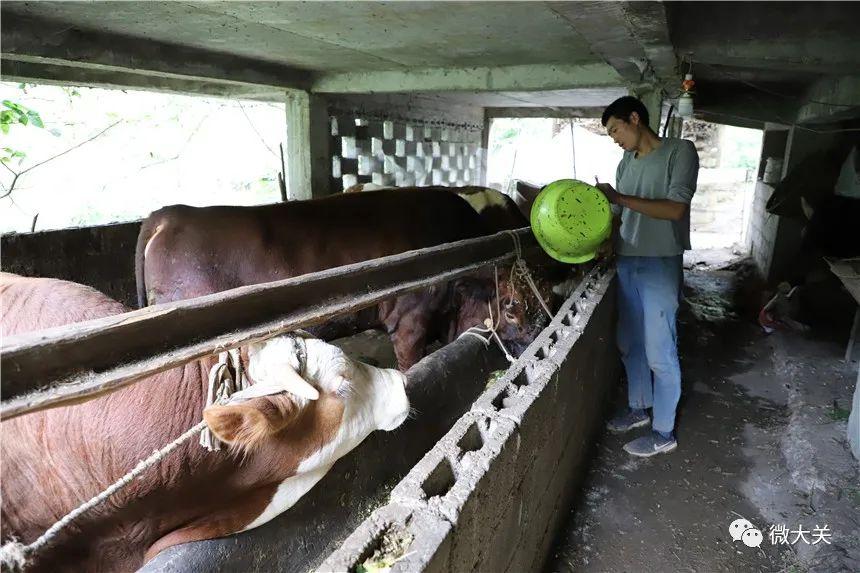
498,211
280,444
185,252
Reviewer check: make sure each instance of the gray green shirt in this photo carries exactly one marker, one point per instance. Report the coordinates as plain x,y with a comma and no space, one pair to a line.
668,172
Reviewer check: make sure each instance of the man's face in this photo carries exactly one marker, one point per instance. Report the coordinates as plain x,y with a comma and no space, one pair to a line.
624,133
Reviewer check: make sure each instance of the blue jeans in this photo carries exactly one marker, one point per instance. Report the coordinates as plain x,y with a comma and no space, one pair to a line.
648,294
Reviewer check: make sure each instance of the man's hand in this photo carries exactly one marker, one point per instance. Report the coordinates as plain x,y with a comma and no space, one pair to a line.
611,194
605,250
655,208
607,247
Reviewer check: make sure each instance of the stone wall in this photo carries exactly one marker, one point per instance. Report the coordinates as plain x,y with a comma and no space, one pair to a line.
404,140
763,226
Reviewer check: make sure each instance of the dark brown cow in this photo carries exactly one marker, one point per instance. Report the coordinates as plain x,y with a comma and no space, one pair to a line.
525,195
185,252
280,444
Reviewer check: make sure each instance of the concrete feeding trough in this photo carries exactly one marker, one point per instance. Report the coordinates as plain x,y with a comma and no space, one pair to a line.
505,459
490,495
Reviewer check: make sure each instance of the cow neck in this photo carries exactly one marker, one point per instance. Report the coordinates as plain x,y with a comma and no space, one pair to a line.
171,492
175,403
101,440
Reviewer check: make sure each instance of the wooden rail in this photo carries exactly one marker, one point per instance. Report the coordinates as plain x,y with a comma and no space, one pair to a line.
74,363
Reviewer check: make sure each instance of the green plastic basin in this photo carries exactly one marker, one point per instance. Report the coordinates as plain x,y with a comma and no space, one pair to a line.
570,219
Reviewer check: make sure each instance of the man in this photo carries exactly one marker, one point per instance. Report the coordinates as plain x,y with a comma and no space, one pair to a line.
656,180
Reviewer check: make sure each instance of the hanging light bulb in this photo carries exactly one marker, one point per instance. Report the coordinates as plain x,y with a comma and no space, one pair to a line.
685,100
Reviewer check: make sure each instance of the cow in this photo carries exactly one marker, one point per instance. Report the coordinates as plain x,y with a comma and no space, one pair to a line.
278,445
185,252
524,195
498,211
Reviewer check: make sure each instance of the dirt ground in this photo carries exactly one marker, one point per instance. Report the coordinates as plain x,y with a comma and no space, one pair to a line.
761,435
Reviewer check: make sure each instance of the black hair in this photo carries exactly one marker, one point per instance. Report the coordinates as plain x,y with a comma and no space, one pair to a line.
622,108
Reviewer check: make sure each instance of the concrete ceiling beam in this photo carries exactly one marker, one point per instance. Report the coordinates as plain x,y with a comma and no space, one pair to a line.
648,22
501,78
743,106
793,37
71,55
632,37
61,75
831,99
542,112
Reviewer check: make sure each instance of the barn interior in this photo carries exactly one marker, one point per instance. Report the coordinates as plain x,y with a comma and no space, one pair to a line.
519,474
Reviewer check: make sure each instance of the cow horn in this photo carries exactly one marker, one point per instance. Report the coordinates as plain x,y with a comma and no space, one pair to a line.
297,385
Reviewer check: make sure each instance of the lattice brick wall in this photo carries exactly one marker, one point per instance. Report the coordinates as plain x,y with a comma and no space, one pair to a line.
402,154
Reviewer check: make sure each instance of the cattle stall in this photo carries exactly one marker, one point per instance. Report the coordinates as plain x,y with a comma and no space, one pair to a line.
341,134
441,387
503,457
384,140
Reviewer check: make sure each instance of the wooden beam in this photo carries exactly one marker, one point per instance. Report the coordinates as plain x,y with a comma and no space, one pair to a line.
88,359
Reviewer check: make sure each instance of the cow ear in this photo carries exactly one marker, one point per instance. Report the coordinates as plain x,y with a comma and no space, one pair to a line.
247,425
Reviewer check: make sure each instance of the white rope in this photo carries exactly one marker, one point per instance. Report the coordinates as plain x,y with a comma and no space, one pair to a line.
222,384
14,555
491,324
520,269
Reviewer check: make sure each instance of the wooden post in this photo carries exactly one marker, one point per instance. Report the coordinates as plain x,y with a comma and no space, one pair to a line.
95,357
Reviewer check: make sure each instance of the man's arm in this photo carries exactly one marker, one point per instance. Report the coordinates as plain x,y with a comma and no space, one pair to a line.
682,185
656,208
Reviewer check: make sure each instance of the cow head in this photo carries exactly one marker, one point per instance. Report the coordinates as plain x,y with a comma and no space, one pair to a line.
518,315
522,315
324,404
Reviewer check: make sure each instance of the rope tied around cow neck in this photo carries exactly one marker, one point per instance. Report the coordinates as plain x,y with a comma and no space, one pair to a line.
491,324
222,385
226,378
519,269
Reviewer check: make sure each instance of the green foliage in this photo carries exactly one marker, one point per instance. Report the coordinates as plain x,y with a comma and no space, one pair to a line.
839,414
743,147
9,154
16,113
11,114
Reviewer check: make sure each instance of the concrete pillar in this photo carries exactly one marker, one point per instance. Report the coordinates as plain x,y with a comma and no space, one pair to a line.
484,155
308,157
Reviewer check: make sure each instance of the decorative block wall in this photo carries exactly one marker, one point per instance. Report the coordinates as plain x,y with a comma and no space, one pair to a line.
403,153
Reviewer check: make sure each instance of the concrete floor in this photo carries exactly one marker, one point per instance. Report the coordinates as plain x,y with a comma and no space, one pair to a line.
761,432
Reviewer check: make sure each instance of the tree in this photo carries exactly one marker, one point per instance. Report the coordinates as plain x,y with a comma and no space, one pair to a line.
16,114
